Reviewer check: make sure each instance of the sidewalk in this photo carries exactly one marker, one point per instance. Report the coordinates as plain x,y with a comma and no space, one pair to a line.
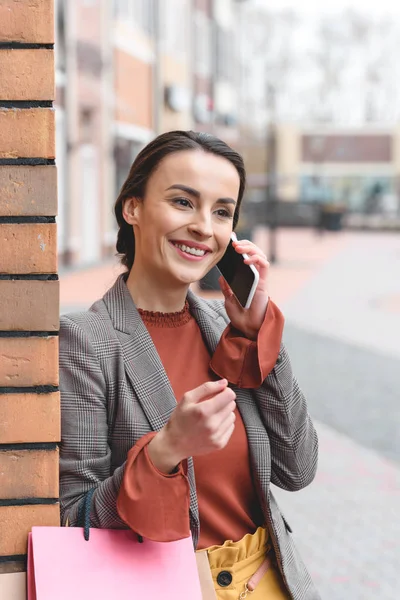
346,524
342,331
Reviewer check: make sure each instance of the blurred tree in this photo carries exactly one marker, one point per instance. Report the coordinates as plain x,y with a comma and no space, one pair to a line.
357,69
339,68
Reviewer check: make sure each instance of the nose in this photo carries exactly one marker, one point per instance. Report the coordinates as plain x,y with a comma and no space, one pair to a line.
201,226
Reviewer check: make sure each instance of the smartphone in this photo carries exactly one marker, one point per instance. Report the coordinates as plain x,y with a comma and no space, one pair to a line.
242,278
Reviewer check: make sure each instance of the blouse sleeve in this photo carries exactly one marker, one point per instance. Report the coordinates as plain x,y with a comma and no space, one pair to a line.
153,504
246,363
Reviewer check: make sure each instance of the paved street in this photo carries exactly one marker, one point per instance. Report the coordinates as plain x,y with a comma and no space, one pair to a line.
341,298
346,523
343,334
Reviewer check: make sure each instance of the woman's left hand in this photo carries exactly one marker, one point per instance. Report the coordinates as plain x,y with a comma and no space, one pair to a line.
249,320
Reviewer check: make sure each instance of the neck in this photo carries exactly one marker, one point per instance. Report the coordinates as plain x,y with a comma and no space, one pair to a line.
153,294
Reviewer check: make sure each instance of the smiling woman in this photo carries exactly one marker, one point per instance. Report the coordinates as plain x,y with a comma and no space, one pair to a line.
181,225
178,413
149,160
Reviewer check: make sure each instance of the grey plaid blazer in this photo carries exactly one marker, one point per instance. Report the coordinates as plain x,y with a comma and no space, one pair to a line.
114,390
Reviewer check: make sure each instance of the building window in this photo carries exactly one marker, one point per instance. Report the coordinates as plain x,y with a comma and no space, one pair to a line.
122,8
203,43
139,12
175,19
225,54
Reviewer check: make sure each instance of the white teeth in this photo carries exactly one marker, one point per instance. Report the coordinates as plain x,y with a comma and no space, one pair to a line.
189,250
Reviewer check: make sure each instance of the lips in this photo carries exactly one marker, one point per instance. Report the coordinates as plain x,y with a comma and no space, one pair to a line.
190,250
191,244
191,253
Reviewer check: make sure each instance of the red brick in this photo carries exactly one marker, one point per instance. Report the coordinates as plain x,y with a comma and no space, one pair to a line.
28,248
28,474
27,133
27,74
30,418
29,21
29,305
28,361
17,521
28,191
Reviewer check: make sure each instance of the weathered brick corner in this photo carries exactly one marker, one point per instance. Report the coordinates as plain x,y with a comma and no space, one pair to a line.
29,296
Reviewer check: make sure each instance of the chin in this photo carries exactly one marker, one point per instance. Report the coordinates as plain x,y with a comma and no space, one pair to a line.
186,277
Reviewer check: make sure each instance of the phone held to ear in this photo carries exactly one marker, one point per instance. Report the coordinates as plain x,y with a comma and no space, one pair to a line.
242,278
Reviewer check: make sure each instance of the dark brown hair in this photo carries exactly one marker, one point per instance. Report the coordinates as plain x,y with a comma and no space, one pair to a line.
147,162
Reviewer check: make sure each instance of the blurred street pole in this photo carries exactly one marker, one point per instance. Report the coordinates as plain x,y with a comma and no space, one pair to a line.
271,187
158,95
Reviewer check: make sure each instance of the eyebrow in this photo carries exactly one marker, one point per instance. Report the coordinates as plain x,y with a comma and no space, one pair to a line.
196,193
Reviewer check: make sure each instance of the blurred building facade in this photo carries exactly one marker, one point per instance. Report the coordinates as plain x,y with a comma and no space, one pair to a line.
357,167
356,170
126,71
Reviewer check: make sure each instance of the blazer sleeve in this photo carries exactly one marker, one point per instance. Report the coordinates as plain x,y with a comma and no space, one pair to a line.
292,436
281,403
85,456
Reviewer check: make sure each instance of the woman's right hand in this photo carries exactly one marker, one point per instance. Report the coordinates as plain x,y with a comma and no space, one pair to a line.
202,422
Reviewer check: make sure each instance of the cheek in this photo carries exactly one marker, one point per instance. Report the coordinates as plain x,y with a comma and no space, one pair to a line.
223,238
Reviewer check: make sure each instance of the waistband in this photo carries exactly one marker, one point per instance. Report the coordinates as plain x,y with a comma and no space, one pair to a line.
240,556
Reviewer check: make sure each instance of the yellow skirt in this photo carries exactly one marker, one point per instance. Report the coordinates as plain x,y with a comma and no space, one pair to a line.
234,563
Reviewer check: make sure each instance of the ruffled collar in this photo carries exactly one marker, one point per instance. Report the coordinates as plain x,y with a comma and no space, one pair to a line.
160,319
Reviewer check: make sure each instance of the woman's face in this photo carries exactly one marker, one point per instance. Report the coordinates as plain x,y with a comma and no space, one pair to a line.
183,225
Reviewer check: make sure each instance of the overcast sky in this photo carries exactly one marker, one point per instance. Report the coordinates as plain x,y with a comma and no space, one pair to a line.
373,7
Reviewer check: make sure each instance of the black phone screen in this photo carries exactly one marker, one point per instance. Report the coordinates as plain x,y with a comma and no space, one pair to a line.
238,275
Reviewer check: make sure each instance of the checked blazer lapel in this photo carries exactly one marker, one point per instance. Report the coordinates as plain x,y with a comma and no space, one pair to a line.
210,322
141,360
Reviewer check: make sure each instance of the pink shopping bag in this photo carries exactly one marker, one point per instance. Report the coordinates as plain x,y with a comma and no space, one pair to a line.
62,565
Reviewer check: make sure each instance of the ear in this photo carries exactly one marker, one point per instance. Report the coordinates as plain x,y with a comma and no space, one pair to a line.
130,210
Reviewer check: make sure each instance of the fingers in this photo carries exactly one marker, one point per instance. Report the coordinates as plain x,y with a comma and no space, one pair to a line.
205,391
254,256
218,428
224,401
225,437
225,288
256,260
246,247
262,266
220,415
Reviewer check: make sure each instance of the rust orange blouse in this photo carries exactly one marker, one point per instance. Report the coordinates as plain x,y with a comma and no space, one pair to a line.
156,505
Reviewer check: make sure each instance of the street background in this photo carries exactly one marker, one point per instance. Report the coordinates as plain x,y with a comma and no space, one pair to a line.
340,293
309,93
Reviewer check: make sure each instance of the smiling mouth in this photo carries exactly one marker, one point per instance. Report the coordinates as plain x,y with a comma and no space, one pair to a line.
192,250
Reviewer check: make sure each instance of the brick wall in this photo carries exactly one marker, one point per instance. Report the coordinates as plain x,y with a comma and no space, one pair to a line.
29,304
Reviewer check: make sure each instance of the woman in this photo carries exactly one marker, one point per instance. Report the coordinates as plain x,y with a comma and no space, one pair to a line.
180,412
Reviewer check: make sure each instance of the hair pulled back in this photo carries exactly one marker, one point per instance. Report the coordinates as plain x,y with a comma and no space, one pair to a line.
147,162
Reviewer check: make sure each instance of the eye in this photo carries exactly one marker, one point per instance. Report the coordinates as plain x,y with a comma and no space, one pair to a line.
182,202
223,213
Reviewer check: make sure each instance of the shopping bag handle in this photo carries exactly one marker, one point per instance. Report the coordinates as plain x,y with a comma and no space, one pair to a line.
84,515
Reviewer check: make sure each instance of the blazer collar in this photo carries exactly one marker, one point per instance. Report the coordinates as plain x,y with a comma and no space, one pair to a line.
121,307
141,360
126,318
210,322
